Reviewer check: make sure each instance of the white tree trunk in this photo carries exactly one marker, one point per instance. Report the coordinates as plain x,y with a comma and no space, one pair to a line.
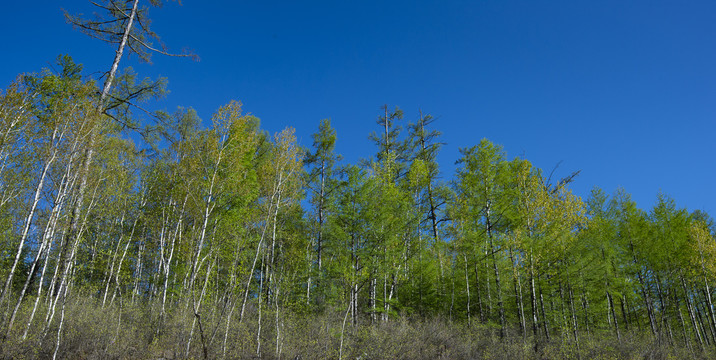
29,218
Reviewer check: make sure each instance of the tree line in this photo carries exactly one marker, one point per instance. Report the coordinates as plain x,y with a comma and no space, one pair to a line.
211,229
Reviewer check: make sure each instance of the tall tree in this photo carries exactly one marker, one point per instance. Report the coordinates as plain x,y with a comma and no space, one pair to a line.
321,186
481,183
126,25
429,198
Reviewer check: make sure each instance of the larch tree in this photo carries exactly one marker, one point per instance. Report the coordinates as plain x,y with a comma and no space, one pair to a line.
481,183
321,185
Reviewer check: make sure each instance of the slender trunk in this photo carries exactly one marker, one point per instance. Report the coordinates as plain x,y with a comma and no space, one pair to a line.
372,300
420,279
635,316
452,293
6,141
68,264
196,309
480,308
613,315
75,228
309,280
259,298
138,268
233,284
343,329
278,327
585,307
208,210
544,314
563,311
89,151
649,307
533,302
356,276
46,240
390,296
226,332
258,251
645,293
467,288
624,314
59,328
683,323
39,293
121,261
664,310
28,221
251,274
64,196
111,265
574,319
703,325
48,236
273,238
692,315
431,197
710,308
518,295
488,291
383,314
498,288
609,311
321,200
177,233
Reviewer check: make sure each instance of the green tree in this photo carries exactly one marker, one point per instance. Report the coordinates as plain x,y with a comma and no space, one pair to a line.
321,185
480,185
429,198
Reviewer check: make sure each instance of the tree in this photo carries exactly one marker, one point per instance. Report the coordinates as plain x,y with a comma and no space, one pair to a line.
429,198
321,185
59,111
480,184
389,142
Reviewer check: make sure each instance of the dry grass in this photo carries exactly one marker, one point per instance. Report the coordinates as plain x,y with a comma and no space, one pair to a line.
131,332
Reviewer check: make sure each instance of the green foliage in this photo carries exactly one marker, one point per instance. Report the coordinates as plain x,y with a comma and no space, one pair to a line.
225,241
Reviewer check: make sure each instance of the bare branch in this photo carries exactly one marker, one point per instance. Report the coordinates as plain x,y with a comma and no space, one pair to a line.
193,56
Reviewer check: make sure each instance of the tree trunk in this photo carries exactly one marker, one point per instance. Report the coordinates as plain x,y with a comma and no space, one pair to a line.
610,301
683,323
710,308
624,314
46,241
498,288
176,234
258,252
664,310
545,326
533,302
647,302
28,222
467,288
585,307
574,318
121,261
518,295
480,307
372,300
110,272
692,315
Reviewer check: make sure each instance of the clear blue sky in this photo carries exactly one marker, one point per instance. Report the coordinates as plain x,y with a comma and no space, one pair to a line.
623,90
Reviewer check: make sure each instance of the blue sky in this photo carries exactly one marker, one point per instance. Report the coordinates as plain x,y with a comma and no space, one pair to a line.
623,90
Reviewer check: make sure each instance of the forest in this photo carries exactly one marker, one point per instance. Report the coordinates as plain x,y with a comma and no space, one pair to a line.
122,237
